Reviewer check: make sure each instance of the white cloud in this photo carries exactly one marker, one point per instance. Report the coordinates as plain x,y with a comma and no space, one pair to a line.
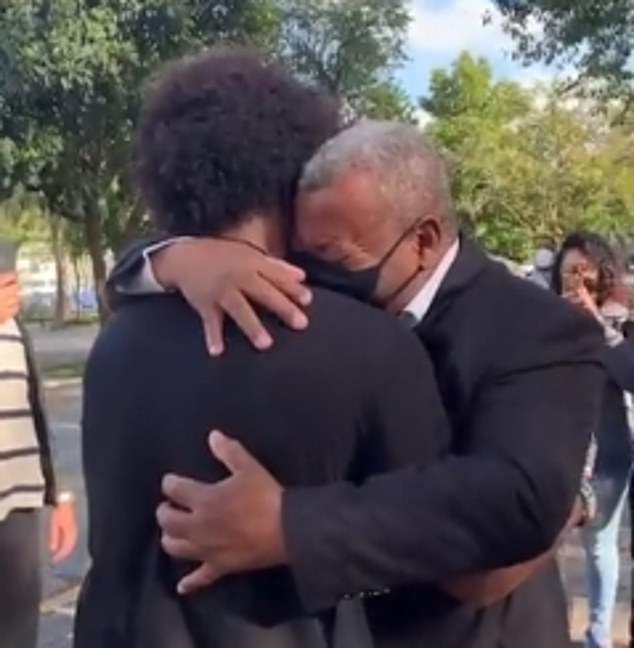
443,30
532,78
457,26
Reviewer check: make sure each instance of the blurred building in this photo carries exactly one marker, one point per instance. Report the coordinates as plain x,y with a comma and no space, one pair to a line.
38,279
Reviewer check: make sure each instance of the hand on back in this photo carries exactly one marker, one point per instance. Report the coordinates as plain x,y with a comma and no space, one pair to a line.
225,278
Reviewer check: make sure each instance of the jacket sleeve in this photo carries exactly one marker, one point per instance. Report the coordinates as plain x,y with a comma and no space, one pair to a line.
404,426
127,268
502,500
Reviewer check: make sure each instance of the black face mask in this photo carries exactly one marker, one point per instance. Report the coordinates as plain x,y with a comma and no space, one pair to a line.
360,284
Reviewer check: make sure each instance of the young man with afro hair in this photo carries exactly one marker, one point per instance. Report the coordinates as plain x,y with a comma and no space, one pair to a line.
222,139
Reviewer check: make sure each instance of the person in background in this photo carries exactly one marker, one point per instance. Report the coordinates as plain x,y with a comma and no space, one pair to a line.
587,273
27,482
541,274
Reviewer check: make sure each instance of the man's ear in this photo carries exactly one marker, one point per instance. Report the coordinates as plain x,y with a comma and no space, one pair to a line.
429,237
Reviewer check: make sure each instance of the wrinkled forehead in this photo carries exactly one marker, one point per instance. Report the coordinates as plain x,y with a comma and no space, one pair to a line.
350,210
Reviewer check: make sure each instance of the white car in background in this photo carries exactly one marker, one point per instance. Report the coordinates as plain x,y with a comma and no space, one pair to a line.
38,295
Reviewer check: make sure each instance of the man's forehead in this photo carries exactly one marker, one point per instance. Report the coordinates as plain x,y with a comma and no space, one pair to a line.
350,199
345,216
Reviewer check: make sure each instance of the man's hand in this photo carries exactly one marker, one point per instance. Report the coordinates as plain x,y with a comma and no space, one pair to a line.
62,531
9,296
221,278
232,526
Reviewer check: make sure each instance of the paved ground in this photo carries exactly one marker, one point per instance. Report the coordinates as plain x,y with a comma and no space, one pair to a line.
62,347
61,583
55,348
64,405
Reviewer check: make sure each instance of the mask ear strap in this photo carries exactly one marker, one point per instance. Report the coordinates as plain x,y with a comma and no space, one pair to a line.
406,284
397,244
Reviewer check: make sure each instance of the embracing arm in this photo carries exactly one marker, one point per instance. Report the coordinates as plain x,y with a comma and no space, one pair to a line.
133,273
504,501
216,277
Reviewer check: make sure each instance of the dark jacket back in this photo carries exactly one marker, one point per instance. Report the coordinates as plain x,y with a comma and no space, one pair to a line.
352,396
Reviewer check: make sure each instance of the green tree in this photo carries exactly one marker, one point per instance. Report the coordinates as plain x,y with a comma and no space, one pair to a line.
472,121
350,47
594,36
71,73
386,100
525,166
21,219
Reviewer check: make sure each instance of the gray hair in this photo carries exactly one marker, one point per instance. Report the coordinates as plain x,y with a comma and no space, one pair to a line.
409,171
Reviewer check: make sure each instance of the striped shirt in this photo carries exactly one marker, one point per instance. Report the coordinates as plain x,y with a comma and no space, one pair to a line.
22,482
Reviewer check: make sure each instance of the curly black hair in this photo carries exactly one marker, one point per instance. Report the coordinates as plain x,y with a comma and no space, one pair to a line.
600,253
223,134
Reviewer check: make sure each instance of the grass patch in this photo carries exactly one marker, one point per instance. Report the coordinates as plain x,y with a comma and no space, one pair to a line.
64,372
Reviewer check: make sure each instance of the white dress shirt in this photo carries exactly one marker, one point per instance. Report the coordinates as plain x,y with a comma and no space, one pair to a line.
420,305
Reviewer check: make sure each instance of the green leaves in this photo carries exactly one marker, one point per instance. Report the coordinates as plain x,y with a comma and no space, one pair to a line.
526,165
72,72
594,36
350,47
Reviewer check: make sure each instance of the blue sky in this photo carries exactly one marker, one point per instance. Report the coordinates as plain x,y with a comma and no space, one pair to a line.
441,29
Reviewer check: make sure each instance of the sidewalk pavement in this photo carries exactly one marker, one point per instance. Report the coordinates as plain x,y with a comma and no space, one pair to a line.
56,620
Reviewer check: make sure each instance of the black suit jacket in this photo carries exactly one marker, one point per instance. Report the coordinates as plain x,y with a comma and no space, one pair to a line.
352,396
520,375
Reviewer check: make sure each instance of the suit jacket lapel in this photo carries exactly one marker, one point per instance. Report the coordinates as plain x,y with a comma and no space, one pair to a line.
469,263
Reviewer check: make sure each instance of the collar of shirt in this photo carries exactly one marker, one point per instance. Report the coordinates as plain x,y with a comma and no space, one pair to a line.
420,305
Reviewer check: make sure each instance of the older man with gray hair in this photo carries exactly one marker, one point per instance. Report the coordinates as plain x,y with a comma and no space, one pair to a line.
518,371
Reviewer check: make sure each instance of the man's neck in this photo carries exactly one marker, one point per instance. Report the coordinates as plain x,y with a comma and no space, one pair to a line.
263,232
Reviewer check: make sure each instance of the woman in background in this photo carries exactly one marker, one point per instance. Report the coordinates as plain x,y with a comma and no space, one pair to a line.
588,274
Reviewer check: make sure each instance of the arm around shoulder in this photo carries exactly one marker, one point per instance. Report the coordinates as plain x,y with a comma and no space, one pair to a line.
132,274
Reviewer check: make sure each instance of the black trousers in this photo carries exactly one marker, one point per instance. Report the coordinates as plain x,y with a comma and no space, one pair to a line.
20,578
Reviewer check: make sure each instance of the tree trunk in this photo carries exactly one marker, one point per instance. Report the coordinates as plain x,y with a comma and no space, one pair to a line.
78,286
61,296
94,238
134,227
